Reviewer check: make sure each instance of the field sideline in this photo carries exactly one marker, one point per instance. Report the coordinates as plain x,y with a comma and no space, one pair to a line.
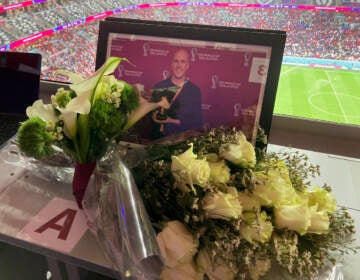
319,93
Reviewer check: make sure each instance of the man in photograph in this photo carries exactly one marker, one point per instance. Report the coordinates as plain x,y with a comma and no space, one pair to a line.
183,96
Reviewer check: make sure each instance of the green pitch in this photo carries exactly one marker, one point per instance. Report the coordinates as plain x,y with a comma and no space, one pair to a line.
319,93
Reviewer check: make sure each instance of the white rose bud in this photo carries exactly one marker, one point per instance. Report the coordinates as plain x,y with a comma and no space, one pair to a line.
241,154
200,171
319,221
322,199
176,243
219,172
249,202
188,170
294,217
221,205
273,186
256,227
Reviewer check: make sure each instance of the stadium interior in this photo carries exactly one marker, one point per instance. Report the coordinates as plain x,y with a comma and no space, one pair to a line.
325,33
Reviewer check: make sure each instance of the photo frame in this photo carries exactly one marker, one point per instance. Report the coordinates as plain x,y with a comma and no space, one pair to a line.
236,69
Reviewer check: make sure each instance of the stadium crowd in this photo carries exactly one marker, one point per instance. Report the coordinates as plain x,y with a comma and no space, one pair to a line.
310,33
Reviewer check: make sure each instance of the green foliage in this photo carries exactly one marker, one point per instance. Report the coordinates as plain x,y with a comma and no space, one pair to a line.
106,118
34,139
63,97
129,99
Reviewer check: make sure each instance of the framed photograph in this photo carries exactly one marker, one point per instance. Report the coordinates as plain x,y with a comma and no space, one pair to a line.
210,75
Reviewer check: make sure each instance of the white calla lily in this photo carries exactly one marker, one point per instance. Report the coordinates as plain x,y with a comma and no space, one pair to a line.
43,111
87,86
69,118
80,104
144,108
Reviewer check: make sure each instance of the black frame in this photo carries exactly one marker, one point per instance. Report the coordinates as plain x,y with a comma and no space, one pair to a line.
269,38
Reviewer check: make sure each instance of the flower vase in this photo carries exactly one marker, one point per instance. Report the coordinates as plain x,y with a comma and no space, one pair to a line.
81,179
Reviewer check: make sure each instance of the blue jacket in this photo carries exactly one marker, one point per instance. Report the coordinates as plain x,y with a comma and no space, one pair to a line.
186,108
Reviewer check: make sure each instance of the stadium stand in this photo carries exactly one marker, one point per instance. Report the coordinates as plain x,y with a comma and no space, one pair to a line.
24,23
321,34
51,17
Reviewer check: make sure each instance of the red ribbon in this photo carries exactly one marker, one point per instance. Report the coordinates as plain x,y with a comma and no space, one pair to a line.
81,179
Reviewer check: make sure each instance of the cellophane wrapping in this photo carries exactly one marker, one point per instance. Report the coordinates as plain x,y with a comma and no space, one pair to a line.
118,218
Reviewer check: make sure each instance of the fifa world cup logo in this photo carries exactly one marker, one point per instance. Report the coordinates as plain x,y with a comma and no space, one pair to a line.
165,74
237,109
146,48
193,54
214,81
121,70
247,57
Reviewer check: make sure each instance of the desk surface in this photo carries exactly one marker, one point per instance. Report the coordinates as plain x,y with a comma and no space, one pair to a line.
24,194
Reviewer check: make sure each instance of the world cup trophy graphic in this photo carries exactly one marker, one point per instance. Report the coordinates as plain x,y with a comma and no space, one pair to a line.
193,54
146,48
237,109
162,114
247,57
120,70
214,81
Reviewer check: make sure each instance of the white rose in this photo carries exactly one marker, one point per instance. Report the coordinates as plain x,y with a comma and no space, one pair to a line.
176,243
249,202
219,172
181,272
200,171
221,205
241,154
214,271
319,221
256,227
322,199
294,217
274,187
188,170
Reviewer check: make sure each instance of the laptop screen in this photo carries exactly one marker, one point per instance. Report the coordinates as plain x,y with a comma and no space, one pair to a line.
19,80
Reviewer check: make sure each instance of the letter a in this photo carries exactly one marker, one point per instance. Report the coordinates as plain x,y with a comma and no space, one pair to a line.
65,228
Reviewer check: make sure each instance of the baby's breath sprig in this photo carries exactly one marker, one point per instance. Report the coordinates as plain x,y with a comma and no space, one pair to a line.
338,238
211,142
300,170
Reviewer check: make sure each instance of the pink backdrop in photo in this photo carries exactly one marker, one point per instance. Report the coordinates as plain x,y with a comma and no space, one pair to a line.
222,76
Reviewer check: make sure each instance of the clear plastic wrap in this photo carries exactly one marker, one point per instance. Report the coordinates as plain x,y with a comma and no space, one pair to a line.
118,219
112,205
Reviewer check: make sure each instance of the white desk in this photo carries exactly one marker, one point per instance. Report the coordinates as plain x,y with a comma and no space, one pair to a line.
23,194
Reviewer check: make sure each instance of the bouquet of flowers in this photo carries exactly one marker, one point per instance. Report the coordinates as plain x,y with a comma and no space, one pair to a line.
83,121
221,208
225,210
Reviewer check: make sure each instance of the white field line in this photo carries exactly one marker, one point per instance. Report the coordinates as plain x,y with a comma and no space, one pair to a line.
288,71
336,96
